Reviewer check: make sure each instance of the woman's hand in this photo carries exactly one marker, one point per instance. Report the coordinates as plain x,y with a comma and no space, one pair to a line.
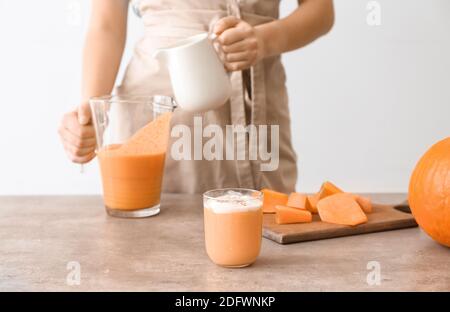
78,135
239,44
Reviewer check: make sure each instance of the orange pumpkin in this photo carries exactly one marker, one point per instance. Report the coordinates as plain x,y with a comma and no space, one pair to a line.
429,192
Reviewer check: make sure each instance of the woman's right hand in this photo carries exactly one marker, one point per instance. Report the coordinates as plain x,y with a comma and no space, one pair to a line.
78,135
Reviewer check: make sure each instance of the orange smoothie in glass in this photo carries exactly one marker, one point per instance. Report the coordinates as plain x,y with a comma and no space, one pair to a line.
132,172
130,182
233,226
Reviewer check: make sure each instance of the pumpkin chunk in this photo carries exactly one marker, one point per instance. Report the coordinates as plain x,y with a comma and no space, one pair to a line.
311,202
297,200
341,208
364,202
328,189
287,215
273,198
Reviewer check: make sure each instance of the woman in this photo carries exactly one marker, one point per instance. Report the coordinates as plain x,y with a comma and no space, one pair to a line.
250,39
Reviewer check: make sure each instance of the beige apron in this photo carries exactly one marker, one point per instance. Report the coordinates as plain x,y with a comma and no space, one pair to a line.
259,95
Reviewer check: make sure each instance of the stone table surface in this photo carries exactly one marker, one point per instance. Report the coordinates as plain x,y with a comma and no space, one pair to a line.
43,239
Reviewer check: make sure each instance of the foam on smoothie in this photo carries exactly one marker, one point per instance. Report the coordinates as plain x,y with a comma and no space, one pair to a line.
233,202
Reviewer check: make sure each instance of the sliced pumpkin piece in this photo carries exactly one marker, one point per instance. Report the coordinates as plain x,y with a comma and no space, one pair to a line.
341,208
288,215
328,189
311,202
297,200
364,202
273,198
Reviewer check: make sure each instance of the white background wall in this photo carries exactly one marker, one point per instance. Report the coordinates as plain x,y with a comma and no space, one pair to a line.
366,101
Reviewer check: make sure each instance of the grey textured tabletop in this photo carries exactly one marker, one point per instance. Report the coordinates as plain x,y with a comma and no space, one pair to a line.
43,239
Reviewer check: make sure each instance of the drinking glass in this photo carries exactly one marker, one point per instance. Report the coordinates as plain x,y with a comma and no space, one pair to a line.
233,225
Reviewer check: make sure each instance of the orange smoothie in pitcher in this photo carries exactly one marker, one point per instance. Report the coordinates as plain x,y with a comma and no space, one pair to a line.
233,229
132,172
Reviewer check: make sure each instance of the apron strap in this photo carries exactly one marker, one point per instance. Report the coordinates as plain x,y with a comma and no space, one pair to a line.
251,81
238,116
258,111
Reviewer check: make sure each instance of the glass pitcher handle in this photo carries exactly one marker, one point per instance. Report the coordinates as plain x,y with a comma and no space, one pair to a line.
135,7
234,8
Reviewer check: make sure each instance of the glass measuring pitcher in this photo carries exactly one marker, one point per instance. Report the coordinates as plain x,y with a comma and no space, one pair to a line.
132,134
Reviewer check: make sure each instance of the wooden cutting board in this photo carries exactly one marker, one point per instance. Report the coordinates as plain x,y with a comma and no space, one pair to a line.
382,218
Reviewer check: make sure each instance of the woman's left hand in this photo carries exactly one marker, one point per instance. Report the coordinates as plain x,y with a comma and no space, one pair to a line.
238,43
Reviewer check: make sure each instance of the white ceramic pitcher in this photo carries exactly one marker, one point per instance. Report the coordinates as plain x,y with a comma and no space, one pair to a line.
199,80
